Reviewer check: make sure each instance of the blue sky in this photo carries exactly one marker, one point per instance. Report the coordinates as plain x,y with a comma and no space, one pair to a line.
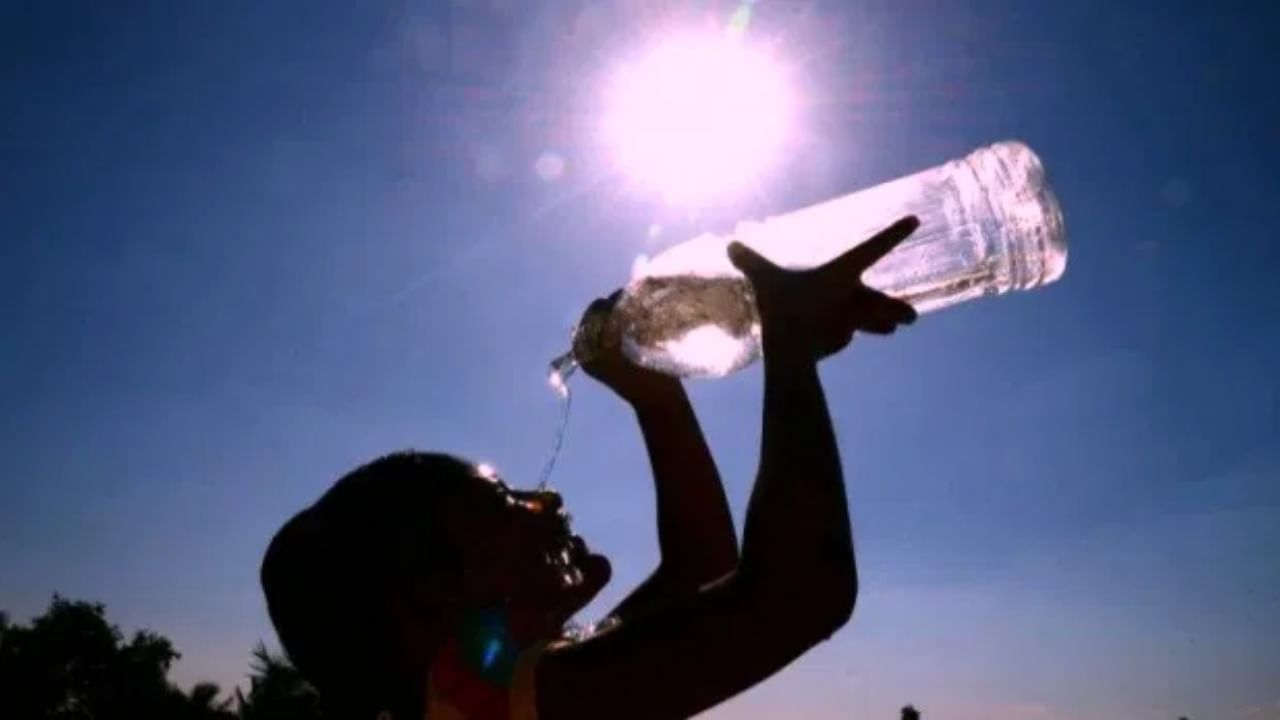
246,246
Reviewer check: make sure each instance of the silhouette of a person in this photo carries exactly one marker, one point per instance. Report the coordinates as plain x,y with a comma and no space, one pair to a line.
421,585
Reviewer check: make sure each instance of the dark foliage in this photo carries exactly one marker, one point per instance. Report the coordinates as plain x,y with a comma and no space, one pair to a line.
70,663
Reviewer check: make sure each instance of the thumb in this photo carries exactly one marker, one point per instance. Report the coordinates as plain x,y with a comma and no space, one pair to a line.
865,254
751,263
604,305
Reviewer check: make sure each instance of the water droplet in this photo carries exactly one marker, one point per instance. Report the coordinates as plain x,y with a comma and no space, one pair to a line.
557,382
572,577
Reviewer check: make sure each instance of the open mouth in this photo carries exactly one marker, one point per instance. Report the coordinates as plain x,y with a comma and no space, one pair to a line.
565,559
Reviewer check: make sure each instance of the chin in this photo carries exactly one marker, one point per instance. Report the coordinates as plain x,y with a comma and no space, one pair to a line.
594,571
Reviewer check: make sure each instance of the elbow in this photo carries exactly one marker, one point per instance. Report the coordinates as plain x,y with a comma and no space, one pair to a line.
831,592
816,594
814,608
834,607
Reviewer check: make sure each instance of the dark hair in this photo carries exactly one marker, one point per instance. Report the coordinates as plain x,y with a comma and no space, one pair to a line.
329,572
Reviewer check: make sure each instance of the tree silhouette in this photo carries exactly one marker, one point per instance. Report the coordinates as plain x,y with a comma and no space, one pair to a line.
70,663
204,702
910,713
277,691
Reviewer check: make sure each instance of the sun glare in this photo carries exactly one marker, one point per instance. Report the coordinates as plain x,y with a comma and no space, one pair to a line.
698,117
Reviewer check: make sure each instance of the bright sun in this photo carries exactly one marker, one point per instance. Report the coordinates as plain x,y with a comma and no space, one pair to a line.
698,117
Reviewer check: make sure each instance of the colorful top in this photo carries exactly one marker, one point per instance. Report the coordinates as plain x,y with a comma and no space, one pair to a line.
484,676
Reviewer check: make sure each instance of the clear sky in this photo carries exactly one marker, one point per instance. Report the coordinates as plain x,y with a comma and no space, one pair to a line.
245,246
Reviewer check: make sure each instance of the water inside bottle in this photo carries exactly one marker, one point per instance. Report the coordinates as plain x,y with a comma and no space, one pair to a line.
690,326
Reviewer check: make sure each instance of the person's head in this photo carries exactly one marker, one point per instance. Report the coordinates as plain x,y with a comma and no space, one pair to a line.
368,583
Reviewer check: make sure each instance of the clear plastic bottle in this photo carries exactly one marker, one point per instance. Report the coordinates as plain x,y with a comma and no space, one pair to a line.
989,224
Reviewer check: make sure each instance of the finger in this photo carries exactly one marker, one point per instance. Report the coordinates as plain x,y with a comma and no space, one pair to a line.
902,312
877,303
878,326
835,343
868,253
604,304
591,326
750,262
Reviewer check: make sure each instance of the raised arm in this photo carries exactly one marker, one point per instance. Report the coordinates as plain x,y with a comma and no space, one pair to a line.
696,537
796,582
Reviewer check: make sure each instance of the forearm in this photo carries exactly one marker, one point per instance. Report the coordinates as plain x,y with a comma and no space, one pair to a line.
791,589
696,536
797,527
695,528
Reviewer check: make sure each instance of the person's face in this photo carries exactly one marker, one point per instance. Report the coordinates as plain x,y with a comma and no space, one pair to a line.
518,549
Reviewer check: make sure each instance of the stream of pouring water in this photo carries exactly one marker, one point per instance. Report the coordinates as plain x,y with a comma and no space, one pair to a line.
561,368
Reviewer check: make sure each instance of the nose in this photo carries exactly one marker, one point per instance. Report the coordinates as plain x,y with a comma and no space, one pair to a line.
541,501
